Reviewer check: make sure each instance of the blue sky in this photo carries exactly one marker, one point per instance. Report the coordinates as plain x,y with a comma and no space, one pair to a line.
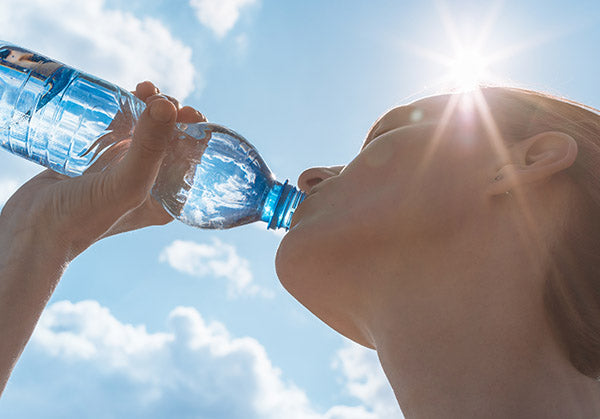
178,322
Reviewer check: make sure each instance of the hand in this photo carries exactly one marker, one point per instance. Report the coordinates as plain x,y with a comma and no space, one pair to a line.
52,218
72,213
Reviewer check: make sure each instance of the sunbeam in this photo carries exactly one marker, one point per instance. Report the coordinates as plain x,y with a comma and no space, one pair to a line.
468,67
468,70
468,64
437,134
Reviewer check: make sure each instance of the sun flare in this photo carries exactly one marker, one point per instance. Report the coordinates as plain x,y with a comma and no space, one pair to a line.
468,70
468,65
463,54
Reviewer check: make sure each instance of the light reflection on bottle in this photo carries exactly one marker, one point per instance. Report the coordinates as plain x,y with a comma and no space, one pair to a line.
70,121
226,182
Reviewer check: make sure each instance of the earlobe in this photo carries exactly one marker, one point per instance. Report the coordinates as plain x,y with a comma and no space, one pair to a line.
535,159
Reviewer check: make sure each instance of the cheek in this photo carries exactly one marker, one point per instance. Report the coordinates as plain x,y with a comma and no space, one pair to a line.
441,201
386,197
379,157
409,191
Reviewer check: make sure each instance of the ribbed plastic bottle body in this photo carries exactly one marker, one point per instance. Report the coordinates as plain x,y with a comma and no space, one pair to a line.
59,117
66,120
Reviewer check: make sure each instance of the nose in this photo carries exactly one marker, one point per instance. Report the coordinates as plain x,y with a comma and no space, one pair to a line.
315,175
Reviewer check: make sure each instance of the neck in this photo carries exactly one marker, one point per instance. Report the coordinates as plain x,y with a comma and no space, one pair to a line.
456,350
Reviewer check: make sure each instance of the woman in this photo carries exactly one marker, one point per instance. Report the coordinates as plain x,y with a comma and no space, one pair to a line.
460,243
463,243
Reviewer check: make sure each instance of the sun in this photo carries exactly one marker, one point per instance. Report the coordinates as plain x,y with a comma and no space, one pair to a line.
467,70
466,61
467,65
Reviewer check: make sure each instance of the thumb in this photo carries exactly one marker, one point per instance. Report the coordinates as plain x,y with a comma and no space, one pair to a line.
137,171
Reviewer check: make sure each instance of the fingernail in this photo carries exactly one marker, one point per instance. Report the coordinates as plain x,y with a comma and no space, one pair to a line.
161,111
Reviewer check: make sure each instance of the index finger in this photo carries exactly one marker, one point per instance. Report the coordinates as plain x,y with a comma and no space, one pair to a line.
145,89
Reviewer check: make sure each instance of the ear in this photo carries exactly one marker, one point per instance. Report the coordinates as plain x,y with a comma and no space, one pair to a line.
534,160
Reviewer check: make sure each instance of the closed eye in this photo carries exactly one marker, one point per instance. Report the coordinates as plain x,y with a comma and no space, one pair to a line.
394,119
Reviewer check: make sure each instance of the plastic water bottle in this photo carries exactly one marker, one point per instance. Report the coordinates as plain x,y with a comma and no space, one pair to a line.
68,120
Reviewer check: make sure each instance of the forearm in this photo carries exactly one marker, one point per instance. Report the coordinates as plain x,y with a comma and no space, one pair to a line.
52,218
30,268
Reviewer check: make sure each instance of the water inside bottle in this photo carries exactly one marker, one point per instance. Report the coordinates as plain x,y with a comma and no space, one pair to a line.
58,117
225,182
71,122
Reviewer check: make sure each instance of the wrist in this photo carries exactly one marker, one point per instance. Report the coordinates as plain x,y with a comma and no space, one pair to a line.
31,239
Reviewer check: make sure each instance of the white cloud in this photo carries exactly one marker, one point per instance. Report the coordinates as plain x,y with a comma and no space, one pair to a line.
218,259
100,367
280,232
108,43
366,380
219,15
7,188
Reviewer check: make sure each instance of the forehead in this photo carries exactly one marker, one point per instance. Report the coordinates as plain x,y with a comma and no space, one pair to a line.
429,107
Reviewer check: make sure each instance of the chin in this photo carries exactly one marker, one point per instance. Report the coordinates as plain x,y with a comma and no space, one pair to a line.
307,267
289,262
311,257
302,259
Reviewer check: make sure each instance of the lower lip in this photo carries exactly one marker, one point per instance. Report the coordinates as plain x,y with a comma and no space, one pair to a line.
296,218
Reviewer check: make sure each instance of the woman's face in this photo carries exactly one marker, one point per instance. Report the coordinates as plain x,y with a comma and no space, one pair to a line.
413,188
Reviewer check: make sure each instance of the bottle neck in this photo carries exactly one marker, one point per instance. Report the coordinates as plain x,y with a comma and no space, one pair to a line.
281,204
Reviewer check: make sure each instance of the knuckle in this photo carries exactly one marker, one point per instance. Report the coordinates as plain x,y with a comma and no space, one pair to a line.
146,84
120,192
151,147
199,115
173,101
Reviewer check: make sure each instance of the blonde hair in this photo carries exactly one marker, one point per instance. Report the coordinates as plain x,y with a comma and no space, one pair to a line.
572,289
